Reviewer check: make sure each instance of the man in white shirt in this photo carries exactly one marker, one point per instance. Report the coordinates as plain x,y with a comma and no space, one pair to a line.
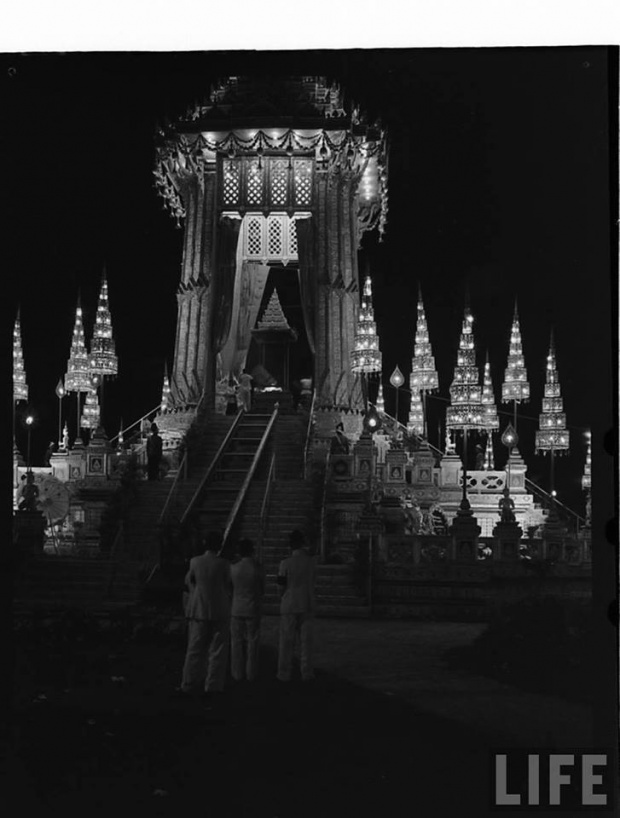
208,615
296,577
248,586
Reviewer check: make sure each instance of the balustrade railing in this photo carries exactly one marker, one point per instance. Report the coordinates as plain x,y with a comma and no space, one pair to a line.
135,423
309,435
403,427
264,511
536,489
248,478
212,466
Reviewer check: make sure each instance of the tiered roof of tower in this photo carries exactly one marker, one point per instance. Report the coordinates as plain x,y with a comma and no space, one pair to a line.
491,420
292,115
20,387
415,422
552,434
91,412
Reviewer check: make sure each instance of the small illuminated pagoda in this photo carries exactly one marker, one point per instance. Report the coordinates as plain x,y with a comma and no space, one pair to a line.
491,419
515,387
466,410
380,401
78,377
270,171
20,387
423,376
90,413
415,422
165,392
552,435
103,359
366,356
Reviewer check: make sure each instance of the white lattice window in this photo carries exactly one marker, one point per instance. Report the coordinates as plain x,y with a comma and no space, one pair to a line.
254,184
292,238
274,236
303,182
232,181
254,237
279,182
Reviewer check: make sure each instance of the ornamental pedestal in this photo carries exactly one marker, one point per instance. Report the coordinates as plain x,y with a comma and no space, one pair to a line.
464,533
507,537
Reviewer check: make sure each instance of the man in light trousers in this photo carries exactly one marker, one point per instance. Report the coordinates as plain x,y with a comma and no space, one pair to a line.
296,578
248,585
208,615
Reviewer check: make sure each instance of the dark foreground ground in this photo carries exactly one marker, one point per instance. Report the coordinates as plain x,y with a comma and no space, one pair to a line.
387,729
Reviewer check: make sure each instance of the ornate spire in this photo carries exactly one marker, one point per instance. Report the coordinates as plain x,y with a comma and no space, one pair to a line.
552,435
466,410
165,392
586,480
380,401
90,413
415,423
273,317
515,386
366,356
20,388
423,374
102,353
78,374
491,420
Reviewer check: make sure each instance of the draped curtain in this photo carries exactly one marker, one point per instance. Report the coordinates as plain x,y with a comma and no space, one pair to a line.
307,278
228,239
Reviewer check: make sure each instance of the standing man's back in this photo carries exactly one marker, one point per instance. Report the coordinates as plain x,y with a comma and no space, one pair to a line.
248,586
296,578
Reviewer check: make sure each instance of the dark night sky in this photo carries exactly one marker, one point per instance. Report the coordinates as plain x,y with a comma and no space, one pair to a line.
499,177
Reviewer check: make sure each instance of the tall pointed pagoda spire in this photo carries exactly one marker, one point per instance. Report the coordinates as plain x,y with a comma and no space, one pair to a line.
20,387
78,377
380,401
366,356
103,359
423,376
423,373
90,413
165,392
552,435
515,386
466,409
415,423
491,420
273,317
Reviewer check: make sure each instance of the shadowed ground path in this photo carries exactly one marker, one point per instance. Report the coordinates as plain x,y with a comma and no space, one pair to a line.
387,729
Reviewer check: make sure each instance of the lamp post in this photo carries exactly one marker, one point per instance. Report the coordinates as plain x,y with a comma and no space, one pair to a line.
60,392
29,421
510,439
397,379
586,480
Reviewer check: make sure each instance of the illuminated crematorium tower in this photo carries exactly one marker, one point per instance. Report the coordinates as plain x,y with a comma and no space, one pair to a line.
268,175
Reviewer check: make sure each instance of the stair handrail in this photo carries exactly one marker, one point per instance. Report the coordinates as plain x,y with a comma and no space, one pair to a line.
404,428
248,478
535,488
181,470
323,503
308,434
212,464
265,504
135,423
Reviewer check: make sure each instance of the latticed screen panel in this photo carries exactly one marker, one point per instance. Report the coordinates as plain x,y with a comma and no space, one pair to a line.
274,237
292,238
279,182
254,237
303,182
232,181
254,183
